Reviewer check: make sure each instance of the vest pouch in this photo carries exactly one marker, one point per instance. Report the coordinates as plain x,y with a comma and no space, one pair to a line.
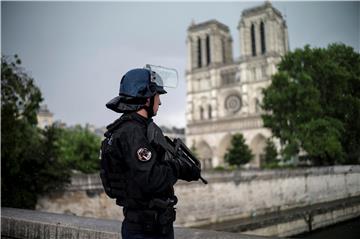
146,219
105,183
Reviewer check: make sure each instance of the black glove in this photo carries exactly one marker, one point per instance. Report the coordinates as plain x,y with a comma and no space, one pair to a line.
184,169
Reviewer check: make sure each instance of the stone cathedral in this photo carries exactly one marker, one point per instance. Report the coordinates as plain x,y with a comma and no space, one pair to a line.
223,93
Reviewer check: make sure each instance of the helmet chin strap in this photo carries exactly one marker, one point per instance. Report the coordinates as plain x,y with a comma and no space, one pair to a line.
150,109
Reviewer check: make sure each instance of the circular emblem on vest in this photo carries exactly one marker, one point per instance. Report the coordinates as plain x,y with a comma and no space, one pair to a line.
144,154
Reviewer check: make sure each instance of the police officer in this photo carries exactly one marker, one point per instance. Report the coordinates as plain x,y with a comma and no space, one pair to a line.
142,173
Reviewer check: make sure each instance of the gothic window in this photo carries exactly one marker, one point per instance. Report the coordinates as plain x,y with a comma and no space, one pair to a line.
262,36
233,103
199,52
257,105
223,50
201,113
228,78
263,72
208,59
209,112
253,46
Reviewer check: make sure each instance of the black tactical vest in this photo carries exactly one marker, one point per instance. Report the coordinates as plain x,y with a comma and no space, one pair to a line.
112,169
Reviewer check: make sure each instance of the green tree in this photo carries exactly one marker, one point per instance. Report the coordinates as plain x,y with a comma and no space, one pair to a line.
55,167
238,153
270,152
26,169
79,149
313,103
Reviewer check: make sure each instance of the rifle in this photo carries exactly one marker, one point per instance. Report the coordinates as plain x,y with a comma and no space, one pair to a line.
175,147
180,149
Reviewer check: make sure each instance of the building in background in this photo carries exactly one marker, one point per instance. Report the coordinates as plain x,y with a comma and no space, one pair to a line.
96,130
44,117
224,94
174,132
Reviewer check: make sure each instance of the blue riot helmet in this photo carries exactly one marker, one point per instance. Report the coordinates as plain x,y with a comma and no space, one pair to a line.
136,87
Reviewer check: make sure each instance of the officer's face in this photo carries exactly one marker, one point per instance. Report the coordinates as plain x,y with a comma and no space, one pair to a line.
157,103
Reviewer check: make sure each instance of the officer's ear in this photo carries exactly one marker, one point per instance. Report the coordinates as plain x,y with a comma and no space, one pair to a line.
147,102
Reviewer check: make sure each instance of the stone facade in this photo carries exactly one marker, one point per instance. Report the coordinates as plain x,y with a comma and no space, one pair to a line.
224,94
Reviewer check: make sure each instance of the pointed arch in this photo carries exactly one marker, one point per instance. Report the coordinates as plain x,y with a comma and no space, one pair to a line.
262,37
224,146
205,154
199,52
201,110
257,105
208,52
257,146
253,41
223,50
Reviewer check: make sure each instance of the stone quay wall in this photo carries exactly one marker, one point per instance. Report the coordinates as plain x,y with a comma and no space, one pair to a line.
228,196
28,224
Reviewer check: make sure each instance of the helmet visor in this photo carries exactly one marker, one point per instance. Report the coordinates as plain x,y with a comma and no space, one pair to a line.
163,76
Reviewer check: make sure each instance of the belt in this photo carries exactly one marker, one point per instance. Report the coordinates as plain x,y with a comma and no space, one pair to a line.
143,216
150,221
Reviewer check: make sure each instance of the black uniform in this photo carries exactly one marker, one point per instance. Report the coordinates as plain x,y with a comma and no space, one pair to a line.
146,179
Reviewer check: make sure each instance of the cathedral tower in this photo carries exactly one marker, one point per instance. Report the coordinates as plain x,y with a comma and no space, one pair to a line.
209,44
224,94
262,31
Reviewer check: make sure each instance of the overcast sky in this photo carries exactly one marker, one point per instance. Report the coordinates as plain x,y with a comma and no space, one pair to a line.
77,52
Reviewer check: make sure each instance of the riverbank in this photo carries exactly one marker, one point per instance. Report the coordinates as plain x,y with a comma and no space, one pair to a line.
349,229
294,221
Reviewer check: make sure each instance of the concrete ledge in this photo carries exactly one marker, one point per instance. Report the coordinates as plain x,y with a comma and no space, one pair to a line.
93,182
235,196
21,224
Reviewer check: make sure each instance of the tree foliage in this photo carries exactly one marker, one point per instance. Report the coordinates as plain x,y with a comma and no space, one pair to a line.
313,103
79,149
238,153
270,152
26,168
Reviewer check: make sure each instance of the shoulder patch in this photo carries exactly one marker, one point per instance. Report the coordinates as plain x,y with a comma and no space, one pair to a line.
143,154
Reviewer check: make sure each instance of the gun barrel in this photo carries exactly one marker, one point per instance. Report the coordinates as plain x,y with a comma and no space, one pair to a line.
203,180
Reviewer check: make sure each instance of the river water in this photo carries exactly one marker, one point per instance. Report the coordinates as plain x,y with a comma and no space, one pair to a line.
346,230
